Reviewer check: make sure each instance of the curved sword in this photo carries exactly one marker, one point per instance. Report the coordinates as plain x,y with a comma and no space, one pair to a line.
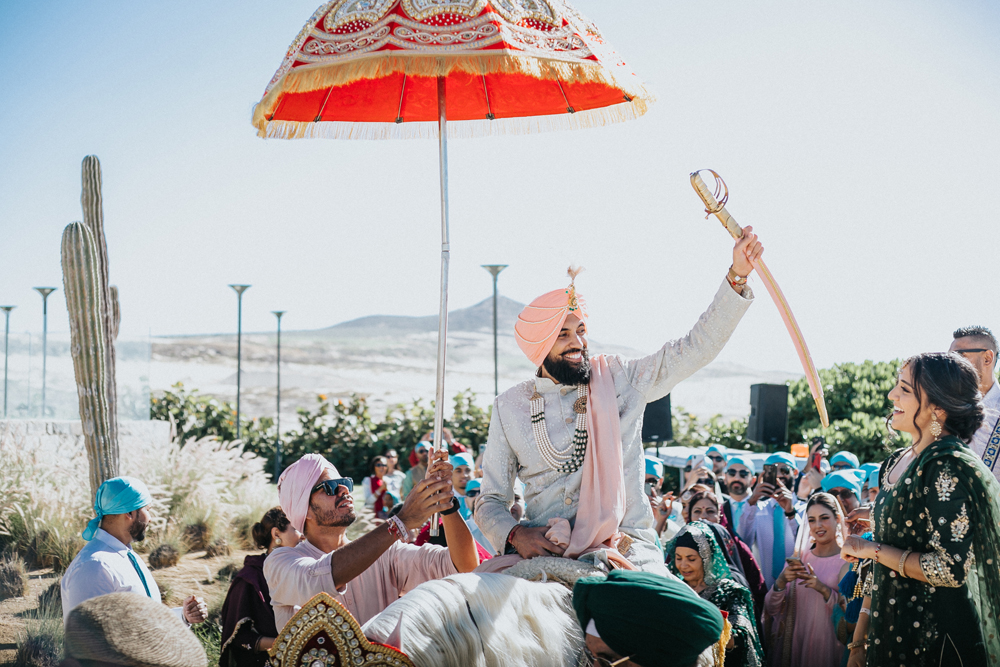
714,207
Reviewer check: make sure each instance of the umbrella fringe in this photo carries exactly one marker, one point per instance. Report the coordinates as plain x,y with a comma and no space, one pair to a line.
320,76
465,129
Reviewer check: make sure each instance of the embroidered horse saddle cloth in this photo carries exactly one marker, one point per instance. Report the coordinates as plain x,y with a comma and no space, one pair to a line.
324,634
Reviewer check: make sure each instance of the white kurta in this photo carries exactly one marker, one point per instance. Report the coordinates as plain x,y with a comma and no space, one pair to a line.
981,438
512,451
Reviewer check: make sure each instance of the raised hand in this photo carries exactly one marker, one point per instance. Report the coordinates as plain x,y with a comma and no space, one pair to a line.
429,496
747,250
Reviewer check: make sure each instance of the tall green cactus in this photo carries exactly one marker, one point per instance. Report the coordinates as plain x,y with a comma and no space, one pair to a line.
94,319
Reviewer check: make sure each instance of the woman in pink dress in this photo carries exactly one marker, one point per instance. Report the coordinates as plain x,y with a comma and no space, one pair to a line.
798,608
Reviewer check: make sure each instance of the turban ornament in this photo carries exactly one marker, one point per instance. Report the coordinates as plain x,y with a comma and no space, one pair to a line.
538,325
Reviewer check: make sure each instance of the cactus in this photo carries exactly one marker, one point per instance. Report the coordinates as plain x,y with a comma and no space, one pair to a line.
94,319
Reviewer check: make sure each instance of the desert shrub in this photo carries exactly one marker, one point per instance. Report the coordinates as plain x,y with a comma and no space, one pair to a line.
41,645
228,571
13,577
343,430
165,555
50,601
218,547
196,535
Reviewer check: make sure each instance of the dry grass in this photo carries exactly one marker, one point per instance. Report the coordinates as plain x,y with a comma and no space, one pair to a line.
203,491
13,577
165,555
41,645
218,547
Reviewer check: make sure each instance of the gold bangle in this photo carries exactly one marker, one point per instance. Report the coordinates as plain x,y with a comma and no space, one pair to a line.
902,563
735,279
856,644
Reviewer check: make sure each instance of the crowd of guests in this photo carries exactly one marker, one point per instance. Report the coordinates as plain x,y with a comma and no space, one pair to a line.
829,564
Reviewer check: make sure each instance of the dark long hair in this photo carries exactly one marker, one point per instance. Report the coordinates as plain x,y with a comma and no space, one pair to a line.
952,384
261,531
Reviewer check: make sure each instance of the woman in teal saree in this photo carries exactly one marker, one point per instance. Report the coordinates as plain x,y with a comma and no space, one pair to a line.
695,556
936,582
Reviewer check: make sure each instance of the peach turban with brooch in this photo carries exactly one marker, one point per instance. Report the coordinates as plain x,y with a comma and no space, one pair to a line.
538,325
296,484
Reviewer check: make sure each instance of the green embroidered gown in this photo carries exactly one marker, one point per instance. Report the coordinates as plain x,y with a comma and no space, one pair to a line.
946,507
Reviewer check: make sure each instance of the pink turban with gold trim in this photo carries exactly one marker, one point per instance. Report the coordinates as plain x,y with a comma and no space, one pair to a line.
538,325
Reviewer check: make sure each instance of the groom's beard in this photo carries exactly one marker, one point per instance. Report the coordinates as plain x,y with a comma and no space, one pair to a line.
568,373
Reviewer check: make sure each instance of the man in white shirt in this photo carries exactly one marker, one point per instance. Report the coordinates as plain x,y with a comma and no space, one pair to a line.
107,564
979,347
368,574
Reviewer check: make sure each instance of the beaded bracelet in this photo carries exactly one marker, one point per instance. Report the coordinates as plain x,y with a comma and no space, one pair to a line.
878,548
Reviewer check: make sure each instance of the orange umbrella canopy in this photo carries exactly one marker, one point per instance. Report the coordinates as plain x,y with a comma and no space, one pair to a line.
368,69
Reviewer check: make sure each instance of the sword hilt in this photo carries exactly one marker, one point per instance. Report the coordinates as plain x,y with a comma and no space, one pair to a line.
713,205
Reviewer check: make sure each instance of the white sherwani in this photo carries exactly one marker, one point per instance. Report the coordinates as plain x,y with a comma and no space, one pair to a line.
512,451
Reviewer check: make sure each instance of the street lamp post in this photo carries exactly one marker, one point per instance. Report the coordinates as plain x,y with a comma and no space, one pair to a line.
239,289
6,336
277,412
45,292
495,269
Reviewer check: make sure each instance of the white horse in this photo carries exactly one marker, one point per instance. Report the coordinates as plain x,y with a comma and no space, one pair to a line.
482,620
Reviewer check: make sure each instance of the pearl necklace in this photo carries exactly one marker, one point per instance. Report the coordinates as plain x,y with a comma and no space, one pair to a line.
570,460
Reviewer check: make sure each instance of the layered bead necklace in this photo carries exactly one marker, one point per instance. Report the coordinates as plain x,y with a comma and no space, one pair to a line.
570,460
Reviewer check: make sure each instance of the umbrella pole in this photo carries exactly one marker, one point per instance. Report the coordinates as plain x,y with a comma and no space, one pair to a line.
445,258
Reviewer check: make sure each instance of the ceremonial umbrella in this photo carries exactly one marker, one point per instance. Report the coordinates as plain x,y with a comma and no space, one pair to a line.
399,69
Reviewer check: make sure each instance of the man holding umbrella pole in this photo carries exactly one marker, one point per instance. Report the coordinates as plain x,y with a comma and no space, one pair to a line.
572,433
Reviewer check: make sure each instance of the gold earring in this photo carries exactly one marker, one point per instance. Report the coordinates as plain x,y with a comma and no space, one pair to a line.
277,540
935,426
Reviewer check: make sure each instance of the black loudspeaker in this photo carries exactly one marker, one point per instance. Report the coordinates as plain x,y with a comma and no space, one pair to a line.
656,424
768,424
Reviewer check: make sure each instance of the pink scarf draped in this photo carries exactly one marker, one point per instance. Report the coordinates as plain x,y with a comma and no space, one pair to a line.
602,489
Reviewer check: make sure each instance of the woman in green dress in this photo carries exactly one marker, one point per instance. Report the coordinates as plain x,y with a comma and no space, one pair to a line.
936,585
695,556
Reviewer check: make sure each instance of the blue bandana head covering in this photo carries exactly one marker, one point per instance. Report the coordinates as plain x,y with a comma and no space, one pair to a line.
844,457
845,479
781,457
119,495
873,480
743,461
462,459
473,484
654,466
718,449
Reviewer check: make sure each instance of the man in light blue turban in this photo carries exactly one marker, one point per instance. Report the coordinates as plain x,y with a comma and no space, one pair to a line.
772,519
844,461
107,564
740,477
872,485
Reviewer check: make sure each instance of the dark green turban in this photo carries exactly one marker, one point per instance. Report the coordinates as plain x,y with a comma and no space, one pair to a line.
658,621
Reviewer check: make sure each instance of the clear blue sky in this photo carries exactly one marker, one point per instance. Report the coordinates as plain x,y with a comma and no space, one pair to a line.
859,138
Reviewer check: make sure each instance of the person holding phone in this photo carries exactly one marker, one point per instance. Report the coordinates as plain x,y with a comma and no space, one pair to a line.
772,518
798,610
741,474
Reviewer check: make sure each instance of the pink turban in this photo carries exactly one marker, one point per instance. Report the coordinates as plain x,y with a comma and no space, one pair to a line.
538,325
296,484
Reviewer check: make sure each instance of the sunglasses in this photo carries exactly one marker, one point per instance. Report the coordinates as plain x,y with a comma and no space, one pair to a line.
381,465
331,485
784,470
842,466
422,450
716,458
741,473
472,493
843,494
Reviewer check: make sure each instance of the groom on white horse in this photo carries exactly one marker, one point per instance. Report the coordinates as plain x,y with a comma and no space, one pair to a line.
572,433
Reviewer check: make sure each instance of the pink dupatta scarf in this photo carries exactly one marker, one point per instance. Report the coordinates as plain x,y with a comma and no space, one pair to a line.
602,489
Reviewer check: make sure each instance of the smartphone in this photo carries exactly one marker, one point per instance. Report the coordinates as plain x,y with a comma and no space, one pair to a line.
770,475
817,459
793,560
